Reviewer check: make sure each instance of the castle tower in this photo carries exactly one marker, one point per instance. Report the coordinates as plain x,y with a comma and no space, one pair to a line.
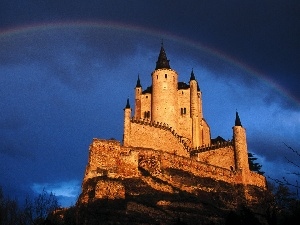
240,146
194,109
199,93
127,124
164,104
138,92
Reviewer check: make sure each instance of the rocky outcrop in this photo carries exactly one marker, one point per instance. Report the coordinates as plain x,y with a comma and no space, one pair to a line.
171,197
134,185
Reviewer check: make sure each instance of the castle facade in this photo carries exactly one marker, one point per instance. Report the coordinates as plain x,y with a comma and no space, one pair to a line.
175,104
168,131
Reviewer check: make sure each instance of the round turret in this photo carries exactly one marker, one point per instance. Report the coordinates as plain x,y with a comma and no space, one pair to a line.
164,105
127,127
138,92
240,145
194,96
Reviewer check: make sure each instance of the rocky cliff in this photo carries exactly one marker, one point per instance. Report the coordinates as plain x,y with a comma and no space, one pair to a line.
125,185
152,199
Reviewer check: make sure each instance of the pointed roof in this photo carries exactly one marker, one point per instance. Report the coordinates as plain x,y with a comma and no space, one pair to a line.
138,82
162,61
194,78
192,75
127,104
237,120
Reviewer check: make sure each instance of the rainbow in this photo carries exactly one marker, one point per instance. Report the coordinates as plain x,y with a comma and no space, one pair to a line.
153,33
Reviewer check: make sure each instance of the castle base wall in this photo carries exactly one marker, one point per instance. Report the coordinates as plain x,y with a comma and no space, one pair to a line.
221,157
108,159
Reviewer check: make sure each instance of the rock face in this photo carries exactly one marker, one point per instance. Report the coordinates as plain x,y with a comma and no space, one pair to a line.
172,197
125,185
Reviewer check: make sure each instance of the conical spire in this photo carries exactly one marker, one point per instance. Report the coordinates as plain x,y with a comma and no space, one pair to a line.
162,61
127,104
192,75
138,82
237,120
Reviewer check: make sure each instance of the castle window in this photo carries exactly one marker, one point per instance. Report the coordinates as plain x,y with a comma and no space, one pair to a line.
146,96
166,75
156,76
183,111
147,114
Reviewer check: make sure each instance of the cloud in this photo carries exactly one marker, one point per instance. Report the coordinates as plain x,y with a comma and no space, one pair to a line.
67,192
14,149
76,57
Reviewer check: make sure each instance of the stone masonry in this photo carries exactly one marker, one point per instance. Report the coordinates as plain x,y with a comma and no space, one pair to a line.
167,131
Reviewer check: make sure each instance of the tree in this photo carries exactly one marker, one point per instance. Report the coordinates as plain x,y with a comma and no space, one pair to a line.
254,166
36,211
287,206
10,213
284,181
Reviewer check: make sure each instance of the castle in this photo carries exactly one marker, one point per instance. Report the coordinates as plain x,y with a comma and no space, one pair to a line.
168,130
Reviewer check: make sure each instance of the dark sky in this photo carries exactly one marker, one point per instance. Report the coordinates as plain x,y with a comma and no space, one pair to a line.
67,67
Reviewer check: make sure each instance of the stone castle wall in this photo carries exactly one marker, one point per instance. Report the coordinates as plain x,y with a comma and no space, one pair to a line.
145,105
222,157
156,136
184,118
109,158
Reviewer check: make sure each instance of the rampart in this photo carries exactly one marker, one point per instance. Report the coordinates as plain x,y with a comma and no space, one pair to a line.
109,158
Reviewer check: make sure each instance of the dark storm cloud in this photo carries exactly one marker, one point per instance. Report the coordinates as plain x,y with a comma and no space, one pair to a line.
75,56
262,34
12,148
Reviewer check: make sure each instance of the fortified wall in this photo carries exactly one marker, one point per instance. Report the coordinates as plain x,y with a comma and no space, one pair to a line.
109,159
